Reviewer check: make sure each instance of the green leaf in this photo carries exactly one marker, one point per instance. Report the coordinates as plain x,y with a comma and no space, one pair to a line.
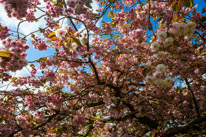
110,14
51,35
42,59
54,2
5,54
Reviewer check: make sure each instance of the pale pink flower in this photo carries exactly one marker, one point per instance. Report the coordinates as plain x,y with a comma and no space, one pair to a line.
60,33
160,55
161,68
161,35
168,80
155,46
169,41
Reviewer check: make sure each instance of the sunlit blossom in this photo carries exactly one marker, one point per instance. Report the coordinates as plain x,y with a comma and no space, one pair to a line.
169,41
155,46
60,33
161,68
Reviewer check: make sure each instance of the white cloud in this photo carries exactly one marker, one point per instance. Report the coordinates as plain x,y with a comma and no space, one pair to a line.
5,20
99,23
25,27
25,71
95,6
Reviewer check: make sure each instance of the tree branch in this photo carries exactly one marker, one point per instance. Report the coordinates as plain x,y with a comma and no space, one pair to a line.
184,129
193,97
94,69
35,128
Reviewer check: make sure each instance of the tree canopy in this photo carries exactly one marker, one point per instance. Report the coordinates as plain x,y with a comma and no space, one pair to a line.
128,68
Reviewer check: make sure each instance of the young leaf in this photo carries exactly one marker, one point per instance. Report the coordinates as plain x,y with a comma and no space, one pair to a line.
110,14
5,54
54,2
51,35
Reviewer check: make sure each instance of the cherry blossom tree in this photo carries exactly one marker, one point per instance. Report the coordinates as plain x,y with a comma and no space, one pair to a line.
140,73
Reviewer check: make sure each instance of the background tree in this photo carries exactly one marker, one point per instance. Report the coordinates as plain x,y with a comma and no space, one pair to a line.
117,79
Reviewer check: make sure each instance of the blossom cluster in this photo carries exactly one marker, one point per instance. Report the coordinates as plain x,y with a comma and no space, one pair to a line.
184,30
30,16
158,77
4,32
3,75
39,44
53,10
51,22
17,50
27,80
164,41
77,6
61,32
54,101
16,8
23,121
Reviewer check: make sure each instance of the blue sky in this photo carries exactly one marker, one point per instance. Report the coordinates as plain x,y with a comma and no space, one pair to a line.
201,4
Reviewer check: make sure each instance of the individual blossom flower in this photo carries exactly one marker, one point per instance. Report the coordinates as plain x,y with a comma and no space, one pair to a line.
65,27
179,27
74,46
160,83
161,35
189,30
149,79
157,74
60,33
169,41
161,68
160,55
155,46
147,64
168,80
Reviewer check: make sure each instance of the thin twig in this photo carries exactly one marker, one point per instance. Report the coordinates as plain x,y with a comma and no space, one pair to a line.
18,26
